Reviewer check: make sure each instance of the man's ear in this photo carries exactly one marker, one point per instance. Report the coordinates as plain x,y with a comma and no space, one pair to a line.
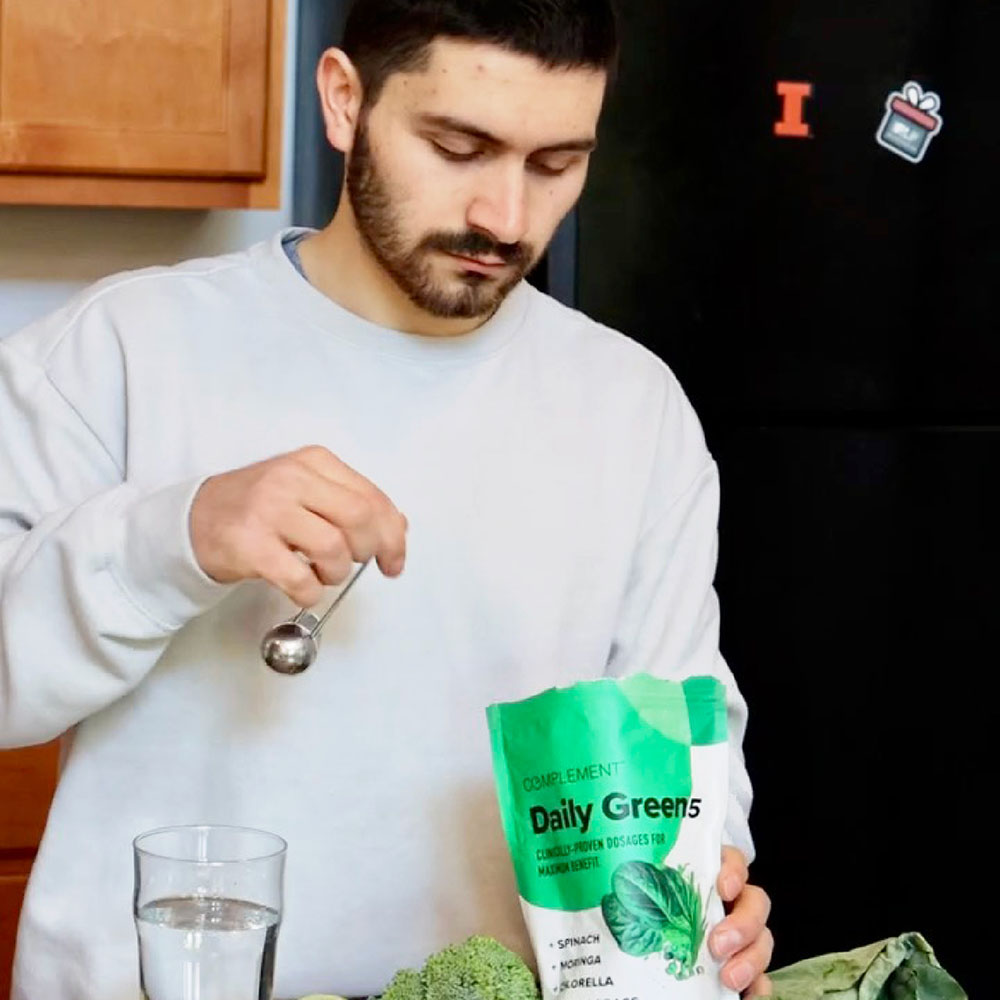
340,97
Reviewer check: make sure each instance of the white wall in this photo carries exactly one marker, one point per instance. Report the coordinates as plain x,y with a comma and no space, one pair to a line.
47,254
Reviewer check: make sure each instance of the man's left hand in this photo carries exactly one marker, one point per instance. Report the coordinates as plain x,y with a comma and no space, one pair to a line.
742,940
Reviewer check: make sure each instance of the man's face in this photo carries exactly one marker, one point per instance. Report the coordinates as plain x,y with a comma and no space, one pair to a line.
460,174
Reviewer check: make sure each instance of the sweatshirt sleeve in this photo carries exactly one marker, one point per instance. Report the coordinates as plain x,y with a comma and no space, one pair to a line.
95,574
669,625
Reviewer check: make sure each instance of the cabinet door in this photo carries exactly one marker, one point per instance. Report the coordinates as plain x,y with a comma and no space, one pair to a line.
11,893
27,780
136,87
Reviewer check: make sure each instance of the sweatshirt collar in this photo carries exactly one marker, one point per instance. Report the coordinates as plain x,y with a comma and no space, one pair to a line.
297,295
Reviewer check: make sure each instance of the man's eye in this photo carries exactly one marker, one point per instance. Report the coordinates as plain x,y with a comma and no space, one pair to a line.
552,168
456,155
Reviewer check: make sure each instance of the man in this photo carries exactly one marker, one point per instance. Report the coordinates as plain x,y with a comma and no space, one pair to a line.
559,503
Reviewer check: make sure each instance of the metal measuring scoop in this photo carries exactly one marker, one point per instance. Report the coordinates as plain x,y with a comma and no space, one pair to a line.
290,648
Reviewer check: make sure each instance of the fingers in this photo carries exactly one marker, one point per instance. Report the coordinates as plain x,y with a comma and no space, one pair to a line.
744,923
340,532
291,574
733,875
298,520
743,939
744,971
370,522
323,545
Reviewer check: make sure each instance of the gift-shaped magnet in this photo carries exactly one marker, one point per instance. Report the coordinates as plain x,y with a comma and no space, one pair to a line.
910,122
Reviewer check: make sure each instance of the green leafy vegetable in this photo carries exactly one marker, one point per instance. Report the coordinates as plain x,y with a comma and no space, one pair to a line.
653,910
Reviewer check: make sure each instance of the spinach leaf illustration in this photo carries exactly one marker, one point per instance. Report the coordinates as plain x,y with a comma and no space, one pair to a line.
654,909
634,937
644,891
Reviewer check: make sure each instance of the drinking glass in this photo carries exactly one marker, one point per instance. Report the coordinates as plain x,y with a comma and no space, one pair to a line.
207,908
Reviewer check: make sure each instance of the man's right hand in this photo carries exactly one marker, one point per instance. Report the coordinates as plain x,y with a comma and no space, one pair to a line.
298,521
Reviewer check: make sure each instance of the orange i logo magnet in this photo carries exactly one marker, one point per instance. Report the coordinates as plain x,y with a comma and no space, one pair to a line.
792,123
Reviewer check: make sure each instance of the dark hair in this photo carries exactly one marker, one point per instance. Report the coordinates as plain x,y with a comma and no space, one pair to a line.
383,37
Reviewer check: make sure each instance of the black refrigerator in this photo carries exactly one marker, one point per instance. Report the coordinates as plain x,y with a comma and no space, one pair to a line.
814,246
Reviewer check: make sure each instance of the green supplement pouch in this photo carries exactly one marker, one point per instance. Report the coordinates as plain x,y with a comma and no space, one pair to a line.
613,795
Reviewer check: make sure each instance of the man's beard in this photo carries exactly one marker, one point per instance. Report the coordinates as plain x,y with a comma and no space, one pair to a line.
476,294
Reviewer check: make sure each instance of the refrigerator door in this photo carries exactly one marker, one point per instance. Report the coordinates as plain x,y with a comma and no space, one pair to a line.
829,305
802,274
859,596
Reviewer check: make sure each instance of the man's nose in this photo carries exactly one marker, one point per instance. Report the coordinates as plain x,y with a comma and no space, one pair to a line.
500,205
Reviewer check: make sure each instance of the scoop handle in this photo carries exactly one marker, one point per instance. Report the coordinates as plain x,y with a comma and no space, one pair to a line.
318,627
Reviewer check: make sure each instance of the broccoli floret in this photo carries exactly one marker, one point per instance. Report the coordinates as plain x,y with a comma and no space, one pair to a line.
405,985
479,969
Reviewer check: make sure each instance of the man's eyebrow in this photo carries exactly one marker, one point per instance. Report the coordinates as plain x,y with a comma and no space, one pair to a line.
450,124
571,146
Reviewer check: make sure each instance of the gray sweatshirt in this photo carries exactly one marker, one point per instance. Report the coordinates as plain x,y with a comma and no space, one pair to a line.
562,508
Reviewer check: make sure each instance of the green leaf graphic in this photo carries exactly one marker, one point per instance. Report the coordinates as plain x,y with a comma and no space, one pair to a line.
656,909
633,936
643,891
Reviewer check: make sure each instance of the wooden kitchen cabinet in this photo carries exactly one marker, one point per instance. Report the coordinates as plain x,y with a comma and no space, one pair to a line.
140,102
27,781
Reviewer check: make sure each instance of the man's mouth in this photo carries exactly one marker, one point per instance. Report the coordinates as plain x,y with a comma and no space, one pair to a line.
482,265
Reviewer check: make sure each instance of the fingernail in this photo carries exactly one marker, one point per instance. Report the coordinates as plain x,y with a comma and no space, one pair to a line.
725,943
740,976
730,887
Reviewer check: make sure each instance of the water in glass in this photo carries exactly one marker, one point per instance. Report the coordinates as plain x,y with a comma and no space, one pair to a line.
206,948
